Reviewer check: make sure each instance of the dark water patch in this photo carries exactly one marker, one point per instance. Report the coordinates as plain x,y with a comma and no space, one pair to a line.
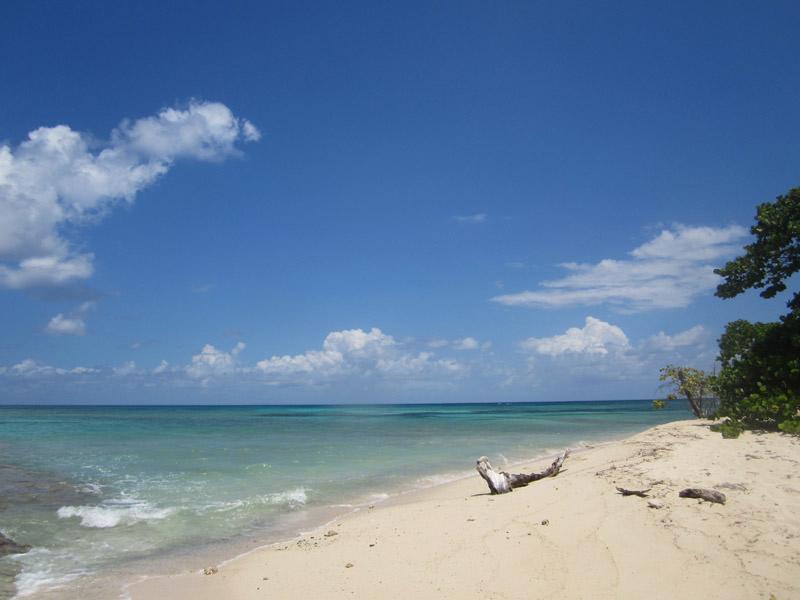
24,494
9,546
9,569
21,487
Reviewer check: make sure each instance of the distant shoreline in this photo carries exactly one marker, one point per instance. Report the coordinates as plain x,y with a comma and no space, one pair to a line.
323,405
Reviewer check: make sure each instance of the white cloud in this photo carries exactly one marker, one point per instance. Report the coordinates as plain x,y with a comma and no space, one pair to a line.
83,371
471,219
61,325
356,352
340,350
409,365
691,337
344,354
312,361
595,337
210,362
669,271
73,324
467,343
125,369
56,178
30,368
602,352
358,343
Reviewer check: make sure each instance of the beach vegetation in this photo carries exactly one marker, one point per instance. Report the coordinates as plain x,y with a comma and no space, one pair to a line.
729,428
659,404
690,383
759,379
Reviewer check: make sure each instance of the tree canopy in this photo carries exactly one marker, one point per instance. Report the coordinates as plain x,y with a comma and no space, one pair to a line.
775,255
759,379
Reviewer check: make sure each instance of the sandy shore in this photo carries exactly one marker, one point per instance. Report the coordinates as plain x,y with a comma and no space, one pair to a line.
572,536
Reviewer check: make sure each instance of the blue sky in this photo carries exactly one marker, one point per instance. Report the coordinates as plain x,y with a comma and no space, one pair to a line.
465,201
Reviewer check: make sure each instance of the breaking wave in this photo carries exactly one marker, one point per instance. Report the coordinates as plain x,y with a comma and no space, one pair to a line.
114,512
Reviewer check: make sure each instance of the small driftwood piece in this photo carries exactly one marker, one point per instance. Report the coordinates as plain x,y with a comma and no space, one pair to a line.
640,493
703,494
500,482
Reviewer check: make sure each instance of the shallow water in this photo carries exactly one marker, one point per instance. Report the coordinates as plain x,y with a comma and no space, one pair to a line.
108,489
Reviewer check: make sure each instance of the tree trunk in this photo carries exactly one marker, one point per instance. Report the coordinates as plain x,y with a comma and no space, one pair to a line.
500,482
695,405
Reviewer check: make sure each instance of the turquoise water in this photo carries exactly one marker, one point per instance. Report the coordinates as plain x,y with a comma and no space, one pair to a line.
118,489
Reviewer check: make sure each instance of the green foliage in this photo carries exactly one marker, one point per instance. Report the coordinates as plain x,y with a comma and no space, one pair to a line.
790,426
759,380
729,429
659,404
773,257
691,383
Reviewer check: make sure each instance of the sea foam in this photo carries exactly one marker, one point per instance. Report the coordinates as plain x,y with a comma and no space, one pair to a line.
113,513
39,573
292,499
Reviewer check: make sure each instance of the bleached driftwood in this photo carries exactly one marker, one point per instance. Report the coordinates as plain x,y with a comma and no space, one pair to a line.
703,494
500,482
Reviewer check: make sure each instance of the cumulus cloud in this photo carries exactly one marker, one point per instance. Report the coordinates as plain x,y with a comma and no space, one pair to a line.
356,352
595,337
72,324
58,178
61,325
470,219
30,368
669,271
211,361
344,355
341,350
600,351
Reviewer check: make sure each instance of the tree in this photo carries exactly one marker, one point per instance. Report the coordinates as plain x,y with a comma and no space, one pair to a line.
759,379
773,257
693,384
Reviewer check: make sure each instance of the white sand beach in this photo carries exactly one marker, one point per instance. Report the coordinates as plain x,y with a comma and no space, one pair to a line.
569,537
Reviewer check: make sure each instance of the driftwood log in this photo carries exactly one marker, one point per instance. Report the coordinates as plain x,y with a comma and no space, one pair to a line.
500,482
703,494
640,493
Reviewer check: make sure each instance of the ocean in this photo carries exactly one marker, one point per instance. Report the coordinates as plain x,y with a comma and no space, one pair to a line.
105,494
